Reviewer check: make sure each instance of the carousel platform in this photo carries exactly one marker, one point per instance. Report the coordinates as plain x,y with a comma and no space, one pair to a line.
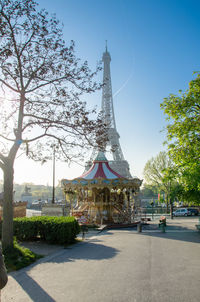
144,223
120,225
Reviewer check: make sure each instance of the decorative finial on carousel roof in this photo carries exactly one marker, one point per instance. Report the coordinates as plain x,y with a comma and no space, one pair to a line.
101,156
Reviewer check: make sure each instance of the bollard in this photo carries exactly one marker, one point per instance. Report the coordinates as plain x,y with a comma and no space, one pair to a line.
139,227
162,227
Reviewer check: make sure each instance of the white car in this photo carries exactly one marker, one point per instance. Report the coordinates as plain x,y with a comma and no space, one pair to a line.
182,212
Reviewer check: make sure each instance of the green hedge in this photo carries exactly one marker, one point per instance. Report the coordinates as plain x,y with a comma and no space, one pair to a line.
60,230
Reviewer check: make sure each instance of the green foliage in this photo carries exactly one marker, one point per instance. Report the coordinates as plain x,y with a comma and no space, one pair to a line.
183,137
17,257
190,197
183,114
149,191
155,170
159,172
27,228
59,230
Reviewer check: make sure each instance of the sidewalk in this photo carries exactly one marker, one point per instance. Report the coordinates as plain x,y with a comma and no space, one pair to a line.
45,249
176,225
122,262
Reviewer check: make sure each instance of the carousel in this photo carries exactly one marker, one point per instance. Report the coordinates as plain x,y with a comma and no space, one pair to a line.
101,194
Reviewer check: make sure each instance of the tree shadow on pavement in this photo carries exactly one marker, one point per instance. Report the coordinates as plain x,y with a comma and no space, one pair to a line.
174,230
82,251
182,234
32,288
87,250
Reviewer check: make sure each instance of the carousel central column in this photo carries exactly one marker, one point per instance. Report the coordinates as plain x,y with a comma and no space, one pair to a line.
128,205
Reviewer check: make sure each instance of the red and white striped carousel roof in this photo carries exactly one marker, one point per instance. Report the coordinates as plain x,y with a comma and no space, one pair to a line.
100,169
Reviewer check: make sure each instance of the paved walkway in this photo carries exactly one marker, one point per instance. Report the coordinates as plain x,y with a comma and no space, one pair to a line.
45,249
116,266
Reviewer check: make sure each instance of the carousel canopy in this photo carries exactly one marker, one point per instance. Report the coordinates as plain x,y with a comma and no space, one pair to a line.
100,174
100,169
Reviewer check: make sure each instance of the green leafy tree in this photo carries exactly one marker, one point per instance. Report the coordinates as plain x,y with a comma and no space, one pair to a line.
149,191
154,169
183,136
159,172
175,189
41,85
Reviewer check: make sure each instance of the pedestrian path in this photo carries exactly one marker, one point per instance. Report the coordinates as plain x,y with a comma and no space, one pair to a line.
122,262
173,226
45,249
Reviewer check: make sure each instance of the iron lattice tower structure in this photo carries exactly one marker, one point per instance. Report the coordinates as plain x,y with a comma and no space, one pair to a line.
119,164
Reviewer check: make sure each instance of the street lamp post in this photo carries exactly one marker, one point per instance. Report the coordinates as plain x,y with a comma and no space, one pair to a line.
152,204
53,192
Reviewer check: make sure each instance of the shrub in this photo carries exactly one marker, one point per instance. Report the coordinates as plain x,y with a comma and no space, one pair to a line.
25,228
60,230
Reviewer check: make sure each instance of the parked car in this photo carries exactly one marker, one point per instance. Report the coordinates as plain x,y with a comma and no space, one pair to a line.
193,212
182,212
35,202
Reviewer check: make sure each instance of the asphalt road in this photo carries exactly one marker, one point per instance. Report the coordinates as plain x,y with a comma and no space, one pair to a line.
117,266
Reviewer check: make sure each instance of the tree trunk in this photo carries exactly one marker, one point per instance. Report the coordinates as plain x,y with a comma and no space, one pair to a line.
7,226
171,209
167,207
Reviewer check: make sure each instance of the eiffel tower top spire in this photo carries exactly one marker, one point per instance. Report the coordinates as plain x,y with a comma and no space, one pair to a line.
107,99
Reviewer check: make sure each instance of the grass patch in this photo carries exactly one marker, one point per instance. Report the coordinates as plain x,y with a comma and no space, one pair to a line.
17,257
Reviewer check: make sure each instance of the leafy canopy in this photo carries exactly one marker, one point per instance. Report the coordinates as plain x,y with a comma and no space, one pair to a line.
154,170
183,134
159,172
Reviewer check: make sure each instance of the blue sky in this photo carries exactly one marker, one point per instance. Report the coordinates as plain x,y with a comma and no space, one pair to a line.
154,46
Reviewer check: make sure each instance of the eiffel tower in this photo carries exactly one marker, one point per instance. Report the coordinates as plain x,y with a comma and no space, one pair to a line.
118,164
